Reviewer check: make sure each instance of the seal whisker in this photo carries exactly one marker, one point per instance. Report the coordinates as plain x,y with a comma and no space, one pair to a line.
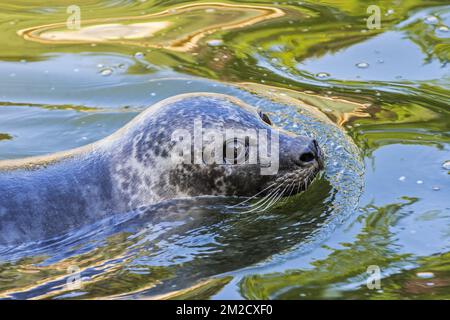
263,199
267,199
298,187
252,197
276,199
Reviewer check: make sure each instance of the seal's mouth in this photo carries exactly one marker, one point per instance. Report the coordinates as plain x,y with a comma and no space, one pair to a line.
285,185
296,181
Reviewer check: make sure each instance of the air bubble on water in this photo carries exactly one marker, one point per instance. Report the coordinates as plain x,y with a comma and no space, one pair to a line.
446,165
322,75
23,61
443,29
215,42
402,178
362,65
106,72
389,12
425,275
436,188
419,182
210,10
277,48
380,61
153,94
100,65
76,70
432,20
139,55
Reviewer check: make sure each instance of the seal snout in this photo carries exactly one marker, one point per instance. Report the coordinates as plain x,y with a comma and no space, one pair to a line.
309,155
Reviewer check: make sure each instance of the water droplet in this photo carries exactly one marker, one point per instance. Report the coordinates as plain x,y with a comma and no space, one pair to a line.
106,72
362,65
432,20
322,75
139,55
436,188
402,178
446,165
425,275
277,48
443,29
215,42
419,182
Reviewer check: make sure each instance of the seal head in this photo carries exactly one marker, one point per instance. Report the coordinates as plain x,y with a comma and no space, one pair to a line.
212,144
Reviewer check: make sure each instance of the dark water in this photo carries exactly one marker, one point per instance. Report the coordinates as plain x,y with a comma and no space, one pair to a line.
376,100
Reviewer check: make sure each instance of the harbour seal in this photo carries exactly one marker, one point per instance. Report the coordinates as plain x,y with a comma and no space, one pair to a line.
41,197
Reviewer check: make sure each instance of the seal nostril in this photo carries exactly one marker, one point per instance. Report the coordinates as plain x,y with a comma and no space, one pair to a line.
307,157
316,145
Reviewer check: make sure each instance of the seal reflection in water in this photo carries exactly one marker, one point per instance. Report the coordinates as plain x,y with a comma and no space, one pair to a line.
45,196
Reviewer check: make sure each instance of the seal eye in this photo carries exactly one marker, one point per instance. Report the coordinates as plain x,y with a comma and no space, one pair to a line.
264,117
235,151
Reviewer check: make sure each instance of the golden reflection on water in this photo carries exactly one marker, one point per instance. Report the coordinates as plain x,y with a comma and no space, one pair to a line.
179,29
341,111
